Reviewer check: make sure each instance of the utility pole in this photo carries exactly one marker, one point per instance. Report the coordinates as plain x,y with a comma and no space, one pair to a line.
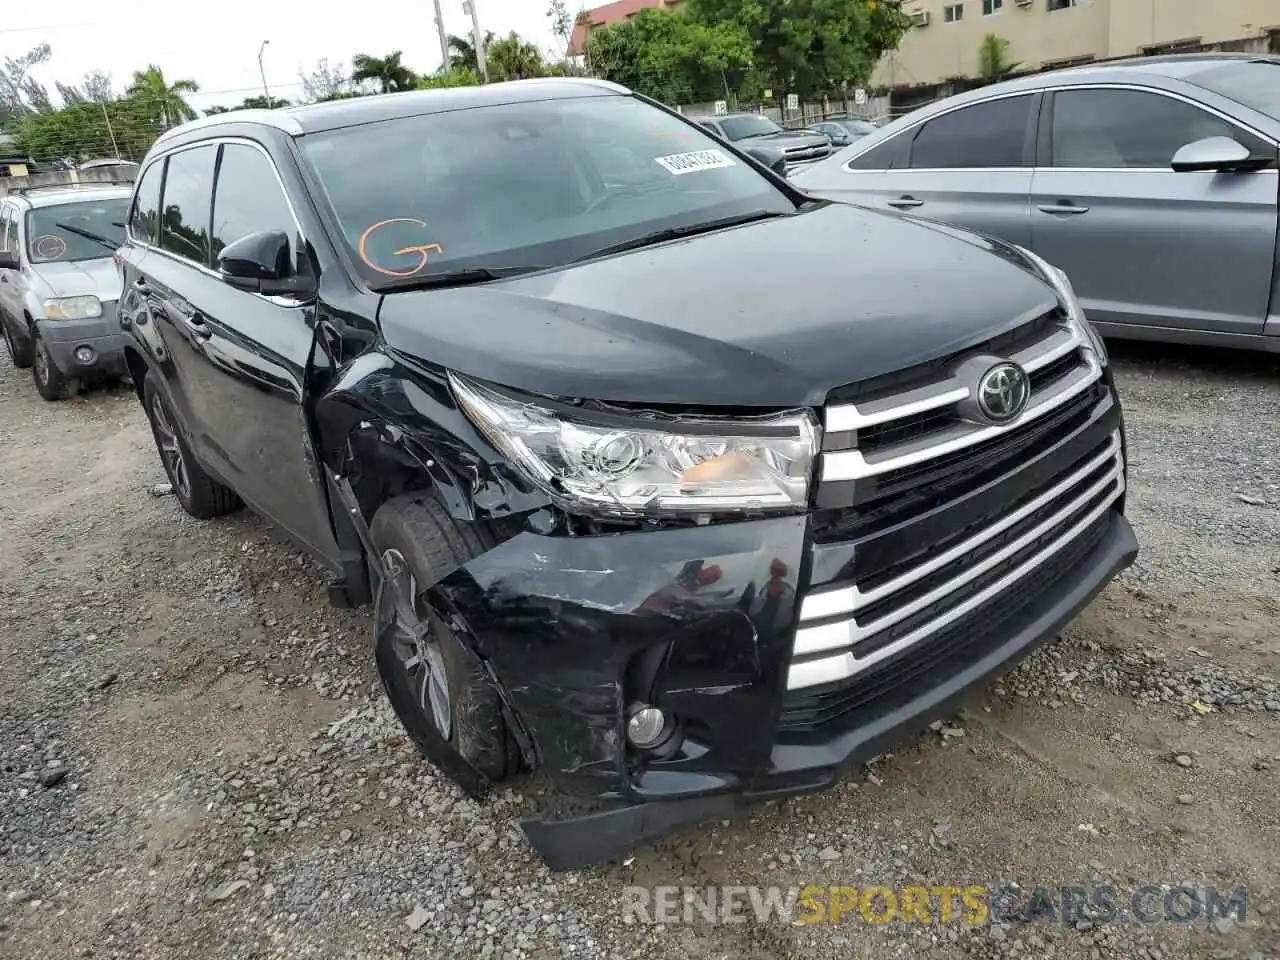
444,39
262,71
482,59
111,133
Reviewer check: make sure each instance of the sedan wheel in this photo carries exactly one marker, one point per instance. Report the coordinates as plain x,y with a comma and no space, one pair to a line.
417,651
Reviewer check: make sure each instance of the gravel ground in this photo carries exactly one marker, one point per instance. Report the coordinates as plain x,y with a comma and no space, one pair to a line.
196,759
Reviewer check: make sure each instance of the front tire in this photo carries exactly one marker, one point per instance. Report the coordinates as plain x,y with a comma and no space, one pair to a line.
51,383
21,356
200,495
437,687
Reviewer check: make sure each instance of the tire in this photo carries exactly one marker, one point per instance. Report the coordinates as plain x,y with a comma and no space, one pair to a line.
51,383
21,356
200,495
468,739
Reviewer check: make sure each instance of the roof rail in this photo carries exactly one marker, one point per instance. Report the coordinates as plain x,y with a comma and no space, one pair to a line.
20,191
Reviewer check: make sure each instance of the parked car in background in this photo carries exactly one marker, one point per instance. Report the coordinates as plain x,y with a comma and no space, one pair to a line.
58,284
675,542
107,162
797,146
1152,183
843,131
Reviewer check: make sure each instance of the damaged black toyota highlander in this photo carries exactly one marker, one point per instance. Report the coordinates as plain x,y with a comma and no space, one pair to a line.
663,478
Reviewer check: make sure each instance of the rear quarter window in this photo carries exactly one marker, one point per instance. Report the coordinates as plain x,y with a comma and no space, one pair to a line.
145,215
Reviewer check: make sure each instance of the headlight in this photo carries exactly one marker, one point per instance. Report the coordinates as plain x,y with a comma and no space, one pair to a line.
655,466
1067,297
73,308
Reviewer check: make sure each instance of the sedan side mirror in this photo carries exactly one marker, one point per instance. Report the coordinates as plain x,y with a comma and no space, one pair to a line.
9,260
1221,154
261,263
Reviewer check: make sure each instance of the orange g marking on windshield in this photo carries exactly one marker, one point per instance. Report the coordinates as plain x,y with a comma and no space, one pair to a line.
423,250
49,247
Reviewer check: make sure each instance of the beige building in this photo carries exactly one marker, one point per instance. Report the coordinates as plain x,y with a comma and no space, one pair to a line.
1048,33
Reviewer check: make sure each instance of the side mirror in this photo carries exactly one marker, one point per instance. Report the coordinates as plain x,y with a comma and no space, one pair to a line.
775,160
1212,153
9,260
261,263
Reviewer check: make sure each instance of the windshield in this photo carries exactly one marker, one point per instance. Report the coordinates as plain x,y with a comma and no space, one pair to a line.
68,232
740,128
1254,83
523,185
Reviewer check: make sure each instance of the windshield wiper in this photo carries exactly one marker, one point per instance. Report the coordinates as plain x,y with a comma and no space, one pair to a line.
676,233
110,244
455,278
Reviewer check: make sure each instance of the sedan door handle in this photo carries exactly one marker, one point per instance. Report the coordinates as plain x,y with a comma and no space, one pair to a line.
1062,206
905,202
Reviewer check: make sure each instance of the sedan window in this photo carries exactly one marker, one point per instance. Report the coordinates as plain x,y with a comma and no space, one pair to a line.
1253,83
990,134
1126,128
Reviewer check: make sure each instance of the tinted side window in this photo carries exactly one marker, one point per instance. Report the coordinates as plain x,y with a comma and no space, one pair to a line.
1126,128
249,198
890,155
188,192
991,134
146,207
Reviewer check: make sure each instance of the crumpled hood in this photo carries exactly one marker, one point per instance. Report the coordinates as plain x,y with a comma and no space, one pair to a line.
771,314
98,277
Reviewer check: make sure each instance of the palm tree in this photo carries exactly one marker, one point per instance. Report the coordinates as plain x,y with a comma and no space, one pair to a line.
462,52
388,72
166,99
993,58
512,59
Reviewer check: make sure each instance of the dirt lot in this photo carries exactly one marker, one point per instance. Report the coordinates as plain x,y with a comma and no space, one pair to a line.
213,721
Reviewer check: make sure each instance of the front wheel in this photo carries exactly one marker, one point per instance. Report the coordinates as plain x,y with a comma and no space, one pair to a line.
51,383
437,687
200,495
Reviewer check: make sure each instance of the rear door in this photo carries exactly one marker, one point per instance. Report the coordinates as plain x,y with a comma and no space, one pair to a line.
970,166
1142,244
8,287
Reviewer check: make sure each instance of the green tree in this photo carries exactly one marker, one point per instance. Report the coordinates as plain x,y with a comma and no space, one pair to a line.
150,88
387,72
561,24
462,52
79,131
666,56
994,62
511,58
811,47
455,77
250,103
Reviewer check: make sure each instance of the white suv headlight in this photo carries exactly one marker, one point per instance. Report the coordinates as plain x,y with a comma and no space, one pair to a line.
1070,303
650,466
73,308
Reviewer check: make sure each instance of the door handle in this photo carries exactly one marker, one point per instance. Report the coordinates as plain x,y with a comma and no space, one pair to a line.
905,202
4,278
1062,206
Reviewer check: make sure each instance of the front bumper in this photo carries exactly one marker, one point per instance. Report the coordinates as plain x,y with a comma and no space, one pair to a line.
101,336
700,622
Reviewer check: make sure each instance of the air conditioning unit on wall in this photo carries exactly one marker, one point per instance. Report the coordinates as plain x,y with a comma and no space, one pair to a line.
920,18
1024,3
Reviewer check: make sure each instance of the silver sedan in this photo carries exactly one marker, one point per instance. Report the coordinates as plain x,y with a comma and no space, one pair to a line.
1153,183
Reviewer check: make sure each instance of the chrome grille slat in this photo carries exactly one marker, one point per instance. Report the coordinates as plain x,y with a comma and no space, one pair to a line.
849,632
843,665
854,464
887,456
832,603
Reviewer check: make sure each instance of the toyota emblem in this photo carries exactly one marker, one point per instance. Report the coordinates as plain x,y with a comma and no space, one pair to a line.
1003,392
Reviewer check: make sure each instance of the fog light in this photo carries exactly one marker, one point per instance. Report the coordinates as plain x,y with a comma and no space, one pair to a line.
646,727
84,354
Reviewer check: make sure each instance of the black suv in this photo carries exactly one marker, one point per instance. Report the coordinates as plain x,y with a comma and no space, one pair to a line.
676,542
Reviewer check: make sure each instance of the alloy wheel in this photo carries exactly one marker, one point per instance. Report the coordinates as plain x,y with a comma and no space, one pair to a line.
171,449
41,363
418,652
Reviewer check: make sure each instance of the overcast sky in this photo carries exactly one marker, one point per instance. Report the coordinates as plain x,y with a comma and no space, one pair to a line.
217,44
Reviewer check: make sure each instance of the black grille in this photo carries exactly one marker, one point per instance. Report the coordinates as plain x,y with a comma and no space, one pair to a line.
922,666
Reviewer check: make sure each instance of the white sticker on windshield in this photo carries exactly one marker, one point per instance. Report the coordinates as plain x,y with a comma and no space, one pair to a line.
682,163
